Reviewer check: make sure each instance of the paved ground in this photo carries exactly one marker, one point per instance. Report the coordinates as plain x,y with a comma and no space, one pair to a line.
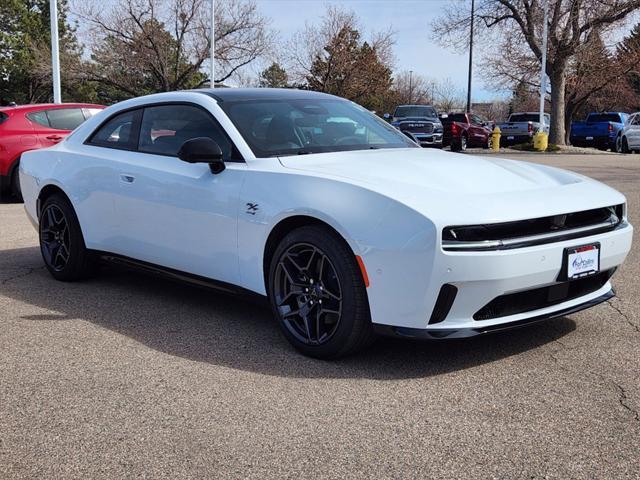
131,376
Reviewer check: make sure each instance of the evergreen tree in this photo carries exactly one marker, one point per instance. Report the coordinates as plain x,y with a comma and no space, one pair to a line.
25,53
274,77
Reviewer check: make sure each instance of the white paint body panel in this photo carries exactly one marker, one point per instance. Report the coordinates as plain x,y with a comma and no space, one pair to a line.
389,205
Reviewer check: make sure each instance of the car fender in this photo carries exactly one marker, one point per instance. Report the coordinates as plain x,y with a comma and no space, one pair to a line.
395,242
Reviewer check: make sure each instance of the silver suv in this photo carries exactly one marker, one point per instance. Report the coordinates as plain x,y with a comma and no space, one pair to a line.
628,140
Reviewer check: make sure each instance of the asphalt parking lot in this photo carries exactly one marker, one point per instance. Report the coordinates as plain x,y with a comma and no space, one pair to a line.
128,375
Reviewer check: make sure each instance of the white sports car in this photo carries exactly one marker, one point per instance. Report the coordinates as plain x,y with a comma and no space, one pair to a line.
339,219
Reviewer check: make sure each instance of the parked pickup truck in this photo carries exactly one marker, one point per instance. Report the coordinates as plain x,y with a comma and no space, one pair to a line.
462,130
418,122
521,127
599,130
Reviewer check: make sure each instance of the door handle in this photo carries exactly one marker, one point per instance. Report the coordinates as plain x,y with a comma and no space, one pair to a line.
127,178
55,138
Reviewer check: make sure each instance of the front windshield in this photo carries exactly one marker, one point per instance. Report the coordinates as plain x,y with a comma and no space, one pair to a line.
302,126
415,111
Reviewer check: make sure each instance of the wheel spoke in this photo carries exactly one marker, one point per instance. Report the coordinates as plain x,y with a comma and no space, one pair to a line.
308,310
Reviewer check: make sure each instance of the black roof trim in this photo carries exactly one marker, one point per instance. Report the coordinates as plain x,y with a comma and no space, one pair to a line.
235,94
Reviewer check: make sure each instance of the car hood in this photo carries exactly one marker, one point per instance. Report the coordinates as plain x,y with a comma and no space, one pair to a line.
459,186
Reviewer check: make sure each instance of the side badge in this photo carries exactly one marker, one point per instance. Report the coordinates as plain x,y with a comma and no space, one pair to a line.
252,208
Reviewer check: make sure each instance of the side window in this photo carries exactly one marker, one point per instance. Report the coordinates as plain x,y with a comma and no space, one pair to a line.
40,118
65,118
165,128
476,120
636,120
119,132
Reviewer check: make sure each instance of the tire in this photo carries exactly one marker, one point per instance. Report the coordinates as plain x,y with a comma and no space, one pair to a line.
16,192
488,144
313,266
61,242
625,145
463,143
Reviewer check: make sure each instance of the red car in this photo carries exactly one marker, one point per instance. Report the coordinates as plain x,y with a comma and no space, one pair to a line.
29,127
462,130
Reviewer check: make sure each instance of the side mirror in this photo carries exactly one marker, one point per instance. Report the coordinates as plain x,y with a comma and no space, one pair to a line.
202,150
387,116
443,116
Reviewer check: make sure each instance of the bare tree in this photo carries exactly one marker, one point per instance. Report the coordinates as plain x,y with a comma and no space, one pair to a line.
308,44
161,45
414,88
515,29
448,97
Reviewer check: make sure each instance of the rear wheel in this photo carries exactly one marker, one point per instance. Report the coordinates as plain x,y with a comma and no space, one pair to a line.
625,145
61,243
318,295
463,143
16,192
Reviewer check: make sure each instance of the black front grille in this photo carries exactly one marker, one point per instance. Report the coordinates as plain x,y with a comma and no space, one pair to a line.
529,300
535,226
417,127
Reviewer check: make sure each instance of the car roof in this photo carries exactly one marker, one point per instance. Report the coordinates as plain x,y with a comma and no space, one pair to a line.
47,106
237,94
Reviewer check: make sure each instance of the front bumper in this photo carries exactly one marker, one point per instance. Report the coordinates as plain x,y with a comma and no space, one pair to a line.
480,277
452,333
428,139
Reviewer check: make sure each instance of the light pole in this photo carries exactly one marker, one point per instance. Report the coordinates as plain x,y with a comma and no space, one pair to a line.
213,42
543,66
473,7
55,56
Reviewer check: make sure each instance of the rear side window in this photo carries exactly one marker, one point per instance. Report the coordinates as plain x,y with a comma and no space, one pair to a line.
165,128
120,131
3,117
40,118
65,118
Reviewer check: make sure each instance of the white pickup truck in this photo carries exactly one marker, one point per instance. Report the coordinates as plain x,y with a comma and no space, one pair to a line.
521,127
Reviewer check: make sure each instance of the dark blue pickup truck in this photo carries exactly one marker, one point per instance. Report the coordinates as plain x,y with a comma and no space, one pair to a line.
599,130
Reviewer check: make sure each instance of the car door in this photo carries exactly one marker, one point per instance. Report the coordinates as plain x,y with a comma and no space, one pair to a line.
59,122
177,214
478,132
633,132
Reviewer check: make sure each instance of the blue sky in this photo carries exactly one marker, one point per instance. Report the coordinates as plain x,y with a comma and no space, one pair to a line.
410,19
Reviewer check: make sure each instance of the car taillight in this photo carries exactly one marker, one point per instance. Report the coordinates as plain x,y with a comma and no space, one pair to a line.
454,128
530,127
610,128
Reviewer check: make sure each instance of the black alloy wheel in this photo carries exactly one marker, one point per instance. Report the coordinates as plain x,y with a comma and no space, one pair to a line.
318,294
54,237
308,294
61,242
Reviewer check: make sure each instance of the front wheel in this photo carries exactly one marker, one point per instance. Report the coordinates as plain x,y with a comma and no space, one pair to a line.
61,243
318,294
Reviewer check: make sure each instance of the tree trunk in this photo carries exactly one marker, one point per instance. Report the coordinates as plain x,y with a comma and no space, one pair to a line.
558,84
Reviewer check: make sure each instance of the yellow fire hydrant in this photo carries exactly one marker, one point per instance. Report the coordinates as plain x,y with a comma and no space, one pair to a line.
495,139
541,141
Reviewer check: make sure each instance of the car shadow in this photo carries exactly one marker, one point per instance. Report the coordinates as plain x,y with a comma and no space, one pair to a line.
205,326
